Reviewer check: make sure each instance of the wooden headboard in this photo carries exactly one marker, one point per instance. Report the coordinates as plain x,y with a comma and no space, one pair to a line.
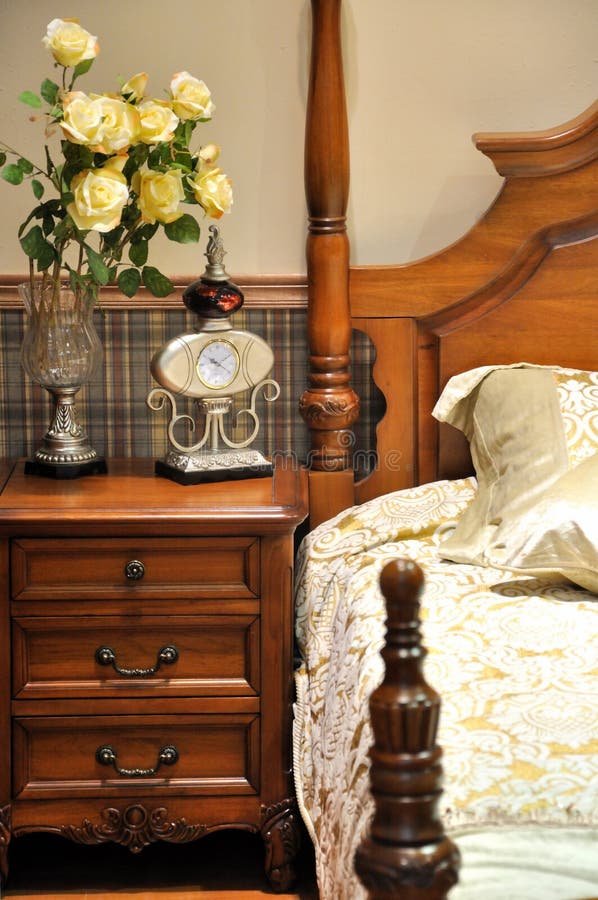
521,285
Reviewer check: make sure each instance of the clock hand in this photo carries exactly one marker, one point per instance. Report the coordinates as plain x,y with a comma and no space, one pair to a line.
221,365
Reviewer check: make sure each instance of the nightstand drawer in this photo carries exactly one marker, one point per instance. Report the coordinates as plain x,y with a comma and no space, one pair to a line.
84,756
144,569
120,656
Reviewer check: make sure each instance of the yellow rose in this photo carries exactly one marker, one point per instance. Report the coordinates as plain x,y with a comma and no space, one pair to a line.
99,196
191,98
158,122
209,153
160,194
82,120
120,125
69,43
134,88
213,191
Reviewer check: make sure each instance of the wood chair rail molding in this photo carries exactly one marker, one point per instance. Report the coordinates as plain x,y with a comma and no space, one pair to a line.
269,291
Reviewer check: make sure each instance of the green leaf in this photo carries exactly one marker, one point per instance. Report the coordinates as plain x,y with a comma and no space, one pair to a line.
64,229
25,166
112,237
129,281
12,173
160,157
156,283
37,188
34,214
82,67
148,230
183,160
34,242
138,253
37,247
73,280
83,284
130,215
31,99
52,206
184,230
183,134
76,158
47,225
137,156
49,91
97,267
2,157
46,257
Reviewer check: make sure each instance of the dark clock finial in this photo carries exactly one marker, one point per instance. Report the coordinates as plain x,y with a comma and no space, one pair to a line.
213,296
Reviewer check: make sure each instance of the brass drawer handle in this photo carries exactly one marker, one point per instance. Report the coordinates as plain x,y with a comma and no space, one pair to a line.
134,570
167,756
167,655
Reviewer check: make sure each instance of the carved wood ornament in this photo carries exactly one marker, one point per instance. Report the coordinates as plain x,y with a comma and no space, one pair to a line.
134,827
406,854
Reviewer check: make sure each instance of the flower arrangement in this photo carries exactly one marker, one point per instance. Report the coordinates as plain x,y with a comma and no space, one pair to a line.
126,170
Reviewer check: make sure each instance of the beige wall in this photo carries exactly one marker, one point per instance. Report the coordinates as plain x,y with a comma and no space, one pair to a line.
253,56
422,75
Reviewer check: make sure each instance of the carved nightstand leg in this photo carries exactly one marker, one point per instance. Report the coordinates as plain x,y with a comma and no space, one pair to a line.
5,835
281,835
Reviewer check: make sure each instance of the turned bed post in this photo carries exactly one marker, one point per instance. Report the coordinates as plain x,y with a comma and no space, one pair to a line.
329,405
406,853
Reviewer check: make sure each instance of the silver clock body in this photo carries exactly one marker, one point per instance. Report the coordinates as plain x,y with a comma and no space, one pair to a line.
212,363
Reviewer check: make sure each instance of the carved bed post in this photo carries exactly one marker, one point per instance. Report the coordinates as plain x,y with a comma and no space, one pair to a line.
329,405
406,854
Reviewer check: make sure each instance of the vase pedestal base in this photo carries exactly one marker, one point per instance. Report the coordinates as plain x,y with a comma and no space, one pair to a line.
65,451
95,466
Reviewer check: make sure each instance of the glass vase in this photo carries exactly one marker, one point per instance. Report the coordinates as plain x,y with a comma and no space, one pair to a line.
61,350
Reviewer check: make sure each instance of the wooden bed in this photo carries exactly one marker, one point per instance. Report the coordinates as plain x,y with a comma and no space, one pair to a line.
521,285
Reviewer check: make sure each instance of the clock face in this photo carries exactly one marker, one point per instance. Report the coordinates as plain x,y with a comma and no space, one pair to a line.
217,364
212,364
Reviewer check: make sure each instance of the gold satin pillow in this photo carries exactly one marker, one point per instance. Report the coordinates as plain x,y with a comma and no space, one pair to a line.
527,427
558,533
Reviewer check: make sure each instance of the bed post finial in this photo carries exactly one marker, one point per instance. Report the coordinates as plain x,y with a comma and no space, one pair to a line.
329,405
406,854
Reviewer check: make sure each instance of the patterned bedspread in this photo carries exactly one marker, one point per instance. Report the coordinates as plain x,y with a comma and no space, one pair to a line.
514,657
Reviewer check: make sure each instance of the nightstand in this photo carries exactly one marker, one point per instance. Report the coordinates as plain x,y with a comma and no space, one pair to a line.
146,658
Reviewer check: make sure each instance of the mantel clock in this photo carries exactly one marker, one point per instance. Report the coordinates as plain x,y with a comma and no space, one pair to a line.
212,366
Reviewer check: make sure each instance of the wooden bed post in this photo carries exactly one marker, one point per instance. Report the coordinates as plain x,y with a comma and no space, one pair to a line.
406,854
329,405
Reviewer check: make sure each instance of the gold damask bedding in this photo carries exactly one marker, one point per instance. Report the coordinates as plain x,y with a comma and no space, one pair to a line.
514,657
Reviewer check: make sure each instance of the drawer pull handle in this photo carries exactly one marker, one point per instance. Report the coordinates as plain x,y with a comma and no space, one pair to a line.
167,756
167,655
134,570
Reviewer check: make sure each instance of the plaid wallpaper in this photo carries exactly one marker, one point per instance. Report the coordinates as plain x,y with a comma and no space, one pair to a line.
113,406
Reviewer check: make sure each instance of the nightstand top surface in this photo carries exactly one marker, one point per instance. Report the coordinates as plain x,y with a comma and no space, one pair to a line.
132,493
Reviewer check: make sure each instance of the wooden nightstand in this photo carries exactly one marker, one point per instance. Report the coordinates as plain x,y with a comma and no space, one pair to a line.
146,651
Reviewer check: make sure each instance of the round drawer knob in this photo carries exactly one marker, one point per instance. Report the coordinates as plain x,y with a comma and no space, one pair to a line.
134,570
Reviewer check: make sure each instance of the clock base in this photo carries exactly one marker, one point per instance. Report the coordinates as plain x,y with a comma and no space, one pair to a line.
217,466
